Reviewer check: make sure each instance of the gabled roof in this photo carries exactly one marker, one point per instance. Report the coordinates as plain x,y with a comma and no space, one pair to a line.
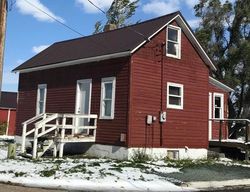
8,100
112,44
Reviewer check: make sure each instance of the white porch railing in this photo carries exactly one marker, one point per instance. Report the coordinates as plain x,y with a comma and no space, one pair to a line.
47,123
246,123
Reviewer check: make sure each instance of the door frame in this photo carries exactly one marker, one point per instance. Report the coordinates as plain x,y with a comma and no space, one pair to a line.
78,93
210,115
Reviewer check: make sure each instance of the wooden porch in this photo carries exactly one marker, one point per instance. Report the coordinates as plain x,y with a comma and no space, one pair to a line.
242,143
53,130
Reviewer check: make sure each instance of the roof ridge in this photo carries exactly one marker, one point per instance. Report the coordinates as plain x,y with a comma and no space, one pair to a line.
122,28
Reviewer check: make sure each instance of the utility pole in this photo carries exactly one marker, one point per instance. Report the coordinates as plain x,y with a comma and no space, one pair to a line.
3,13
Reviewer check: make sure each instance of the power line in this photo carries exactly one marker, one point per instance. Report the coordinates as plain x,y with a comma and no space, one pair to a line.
129,27
96,7
55,19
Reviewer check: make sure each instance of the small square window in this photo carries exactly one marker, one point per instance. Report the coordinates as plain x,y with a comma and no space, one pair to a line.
173,42
174,96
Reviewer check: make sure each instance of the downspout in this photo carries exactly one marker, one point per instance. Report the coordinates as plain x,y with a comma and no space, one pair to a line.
129,115
162,88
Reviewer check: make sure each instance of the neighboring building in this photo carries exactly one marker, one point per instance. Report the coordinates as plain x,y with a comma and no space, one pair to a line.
148,83
8,104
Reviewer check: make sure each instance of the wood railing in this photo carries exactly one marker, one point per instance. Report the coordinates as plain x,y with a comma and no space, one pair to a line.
246,123
48,122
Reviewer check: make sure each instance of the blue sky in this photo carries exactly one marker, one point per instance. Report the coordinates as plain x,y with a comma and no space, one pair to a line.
29,31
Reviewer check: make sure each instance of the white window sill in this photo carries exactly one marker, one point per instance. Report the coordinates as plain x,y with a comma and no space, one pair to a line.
173,56
107,118
169,106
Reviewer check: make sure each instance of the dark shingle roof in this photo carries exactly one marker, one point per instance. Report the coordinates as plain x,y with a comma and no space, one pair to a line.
8,100
116,41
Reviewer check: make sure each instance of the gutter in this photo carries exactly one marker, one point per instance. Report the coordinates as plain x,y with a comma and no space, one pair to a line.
75,62
220,84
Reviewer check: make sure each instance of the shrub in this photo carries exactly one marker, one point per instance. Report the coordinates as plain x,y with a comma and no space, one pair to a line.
3,128
140,156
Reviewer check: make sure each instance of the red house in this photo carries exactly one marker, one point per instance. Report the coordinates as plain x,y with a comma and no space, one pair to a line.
8,104
142,86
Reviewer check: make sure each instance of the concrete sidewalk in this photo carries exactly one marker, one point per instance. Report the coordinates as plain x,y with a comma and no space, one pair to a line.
220,185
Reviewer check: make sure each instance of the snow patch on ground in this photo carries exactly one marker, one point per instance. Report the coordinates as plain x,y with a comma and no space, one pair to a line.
88,174
3,153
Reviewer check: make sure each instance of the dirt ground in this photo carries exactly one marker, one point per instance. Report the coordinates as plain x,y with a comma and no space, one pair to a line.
15,188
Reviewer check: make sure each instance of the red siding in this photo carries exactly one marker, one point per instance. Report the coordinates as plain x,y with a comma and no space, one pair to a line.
216,125
12,119
61,94
187,127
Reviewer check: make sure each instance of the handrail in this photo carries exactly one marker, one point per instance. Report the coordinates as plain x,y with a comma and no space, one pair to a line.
46,120
33,119
247,121
80,115
217,119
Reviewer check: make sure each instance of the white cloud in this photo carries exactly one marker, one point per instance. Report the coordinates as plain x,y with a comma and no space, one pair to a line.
161,7
194,23
191,3
89,8
27,9
38,49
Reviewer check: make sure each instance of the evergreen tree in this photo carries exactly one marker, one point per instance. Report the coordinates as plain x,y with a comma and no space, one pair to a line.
224,32
118,14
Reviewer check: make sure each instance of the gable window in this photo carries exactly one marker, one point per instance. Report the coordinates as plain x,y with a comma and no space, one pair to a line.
174,96
41,98
107,104
218,106
173,42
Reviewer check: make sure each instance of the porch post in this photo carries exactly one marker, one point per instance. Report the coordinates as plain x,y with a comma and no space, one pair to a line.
247,132
220,131
34,152
24,137
62,137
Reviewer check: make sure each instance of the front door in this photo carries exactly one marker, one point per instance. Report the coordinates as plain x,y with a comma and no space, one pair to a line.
83,102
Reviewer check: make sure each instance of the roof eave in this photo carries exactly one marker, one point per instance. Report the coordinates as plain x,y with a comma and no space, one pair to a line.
195,42
190,35
220,84
75,62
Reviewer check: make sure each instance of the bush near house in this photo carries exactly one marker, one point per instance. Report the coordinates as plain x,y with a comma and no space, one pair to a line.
3,127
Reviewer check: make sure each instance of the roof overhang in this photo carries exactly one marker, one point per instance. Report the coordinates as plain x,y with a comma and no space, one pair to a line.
75,62
220,84
178,18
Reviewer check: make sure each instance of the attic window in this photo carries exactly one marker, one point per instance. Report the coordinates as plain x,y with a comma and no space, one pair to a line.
173,42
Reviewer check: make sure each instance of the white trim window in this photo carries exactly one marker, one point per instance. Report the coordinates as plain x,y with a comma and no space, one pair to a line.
41,98
174,96
173,42
107,103
218,105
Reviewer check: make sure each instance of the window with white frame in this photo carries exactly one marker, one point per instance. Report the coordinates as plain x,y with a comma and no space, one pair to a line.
218,106
107,104
41,98
174,96
173,42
